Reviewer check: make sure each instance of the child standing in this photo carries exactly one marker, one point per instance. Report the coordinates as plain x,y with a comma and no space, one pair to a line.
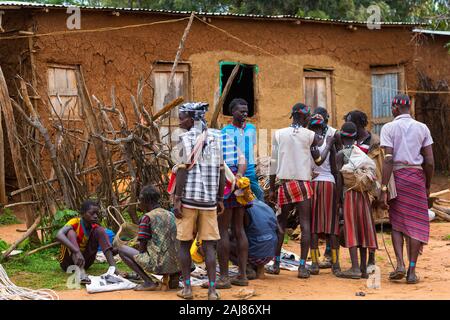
359,229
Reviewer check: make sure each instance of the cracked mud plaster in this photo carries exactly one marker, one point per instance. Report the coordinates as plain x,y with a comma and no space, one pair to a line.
120,58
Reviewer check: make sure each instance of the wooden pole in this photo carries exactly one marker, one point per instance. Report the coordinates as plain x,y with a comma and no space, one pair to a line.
93,125
3,197
6,108
440,193
36,123
169,95
51,245
167,108
226,89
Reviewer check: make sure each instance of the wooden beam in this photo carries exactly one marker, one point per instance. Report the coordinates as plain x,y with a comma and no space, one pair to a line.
19,168
167,108
3,197
218,107
169,94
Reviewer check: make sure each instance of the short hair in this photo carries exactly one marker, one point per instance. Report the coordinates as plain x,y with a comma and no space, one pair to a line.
323,112
87,204
150,195
357,117
349,128
236,102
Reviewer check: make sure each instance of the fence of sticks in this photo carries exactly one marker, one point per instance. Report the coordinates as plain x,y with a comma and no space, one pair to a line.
123,155
120,152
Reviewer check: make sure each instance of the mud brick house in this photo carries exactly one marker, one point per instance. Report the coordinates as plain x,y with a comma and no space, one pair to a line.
340,65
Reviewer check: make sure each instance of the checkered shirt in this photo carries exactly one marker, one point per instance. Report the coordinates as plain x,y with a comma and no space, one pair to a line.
202,181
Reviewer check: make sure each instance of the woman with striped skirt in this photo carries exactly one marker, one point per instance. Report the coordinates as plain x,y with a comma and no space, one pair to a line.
325,219
359,228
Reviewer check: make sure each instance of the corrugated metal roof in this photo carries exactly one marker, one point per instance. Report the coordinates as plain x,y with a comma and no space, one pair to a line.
435,32
6,4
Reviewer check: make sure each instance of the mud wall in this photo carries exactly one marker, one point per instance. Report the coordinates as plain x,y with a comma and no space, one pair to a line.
120,58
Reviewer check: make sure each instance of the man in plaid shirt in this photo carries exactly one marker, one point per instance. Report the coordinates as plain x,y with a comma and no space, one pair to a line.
200,184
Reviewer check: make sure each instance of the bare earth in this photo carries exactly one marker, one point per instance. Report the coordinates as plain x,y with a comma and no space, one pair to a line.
433,268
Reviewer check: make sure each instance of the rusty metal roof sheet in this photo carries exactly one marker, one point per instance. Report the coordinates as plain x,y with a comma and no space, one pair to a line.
18,4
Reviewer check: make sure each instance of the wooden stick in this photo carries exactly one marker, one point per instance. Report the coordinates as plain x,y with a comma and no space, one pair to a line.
86,171
51,245
35,122
177,58
93,126
25,235
21,204
218,107
3,197
443,201
443,209
436,194
7,109
167,108
441,214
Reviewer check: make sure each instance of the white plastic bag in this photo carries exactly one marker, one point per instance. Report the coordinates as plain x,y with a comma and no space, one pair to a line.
100,283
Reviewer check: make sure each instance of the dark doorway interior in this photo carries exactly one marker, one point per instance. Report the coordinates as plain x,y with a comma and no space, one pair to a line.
242,87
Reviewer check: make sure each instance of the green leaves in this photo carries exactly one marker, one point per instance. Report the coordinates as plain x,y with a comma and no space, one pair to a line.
3,245
62,216
8,217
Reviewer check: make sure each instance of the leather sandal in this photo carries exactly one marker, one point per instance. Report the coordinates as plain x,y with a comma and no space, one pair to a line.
414,280
303,273
214,296
239,282
273,270
142,287
185,296
397,275
349,274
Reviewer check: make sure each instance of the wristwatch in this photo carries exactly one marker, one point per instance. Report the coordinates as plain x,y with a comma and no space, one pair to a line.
384,188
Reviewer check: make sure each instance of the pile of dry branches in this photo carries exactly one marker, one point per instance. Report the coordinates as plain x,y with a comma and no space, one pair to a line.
106,150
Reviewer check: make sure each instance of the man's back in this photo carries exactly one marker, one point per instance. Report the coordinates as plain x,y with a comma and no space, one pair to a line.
291,156
407,137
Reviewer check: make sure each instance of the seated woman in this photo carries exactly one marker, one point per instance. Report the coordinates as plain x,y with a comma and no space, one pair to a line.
158,246
80,239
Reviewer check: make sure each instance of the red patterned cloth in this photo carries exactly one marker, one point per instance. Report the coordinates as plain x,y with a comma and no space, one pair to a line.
359,228
294,191
325,218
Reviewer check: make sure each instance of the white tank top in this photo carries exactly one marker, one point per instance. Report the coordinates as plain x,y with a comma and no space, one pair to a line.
324,170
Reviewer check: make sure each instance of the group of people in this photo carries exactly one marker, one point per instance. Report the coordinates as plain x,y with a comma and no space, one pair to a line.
218,204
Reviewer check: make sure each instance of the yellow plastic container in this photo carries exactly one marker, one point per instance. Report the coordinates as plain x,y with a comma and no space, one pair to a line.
195,252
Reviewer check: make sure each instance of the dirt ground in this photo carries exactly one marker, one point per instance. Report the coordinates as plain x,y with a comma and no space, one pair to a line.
433,268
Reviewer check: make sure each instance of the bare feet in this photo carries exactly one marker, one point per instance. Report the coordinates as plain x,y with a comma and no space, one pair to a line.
260,272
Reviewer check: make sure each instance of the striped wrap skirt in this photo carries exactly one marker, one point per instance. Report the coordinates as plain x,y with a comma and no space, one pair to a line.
408,212
325,218
359,228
